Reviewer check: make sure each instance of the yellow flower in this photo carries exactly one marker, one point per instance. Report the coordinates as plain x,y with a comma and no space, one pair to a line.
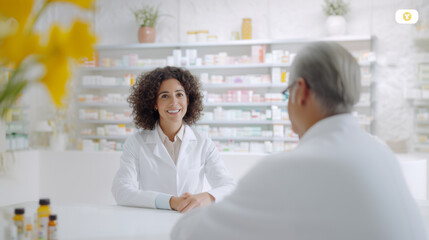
57,42
62,47
87,4
18,9
19,41
14,48
80,41
56,63
56,77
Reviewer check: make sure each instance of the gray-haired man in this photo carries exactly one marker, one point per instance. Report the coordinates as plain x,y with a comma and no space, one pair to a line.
338,184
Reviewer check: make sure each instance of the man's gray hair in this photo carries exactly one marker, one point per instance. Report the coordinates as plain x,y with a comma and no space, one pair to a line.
332,73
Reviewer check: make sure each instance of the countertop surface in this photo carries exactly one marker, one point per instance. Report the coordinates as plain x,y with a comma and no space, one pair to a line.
108,222
93,222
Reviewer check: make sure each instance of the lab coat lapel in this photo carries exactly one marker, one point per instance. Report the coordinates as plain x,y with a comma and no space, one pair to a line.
159,149
188,142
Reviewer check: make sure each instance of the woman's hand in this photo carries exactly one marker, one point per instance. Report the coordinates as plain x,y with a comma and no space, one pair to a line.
188,201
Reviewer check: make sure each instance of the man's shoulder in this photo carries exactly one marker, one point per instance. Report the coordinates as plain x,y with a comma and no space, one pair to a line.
284,159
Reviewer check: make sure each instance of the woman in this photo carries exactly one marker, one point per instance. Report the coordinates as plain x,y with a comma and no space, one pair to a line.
163,165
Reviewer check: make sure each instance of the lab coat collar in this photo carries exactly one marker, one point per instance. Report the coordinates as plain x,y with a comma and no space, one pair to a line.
160,151
164,137
327,125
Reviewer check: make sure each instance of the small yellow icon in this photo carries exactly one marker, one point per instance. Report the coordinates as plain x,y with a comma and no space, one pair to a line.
407,16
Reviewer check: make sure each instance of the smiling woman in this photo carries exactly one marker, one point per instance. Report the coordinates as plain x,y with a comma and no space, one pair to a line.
164,165
145,95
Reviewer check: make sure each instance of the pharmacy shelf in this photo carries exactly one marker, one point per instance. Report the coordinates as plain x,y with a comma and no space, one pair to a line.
422,42
10,132
367,84
17,122
249,122
421,130
421,83
123,137
363,105
237,66
421,145
20,107
100,104
106,121
207,86
112,137
212,86
285,139
261,104
185,45
351,38
232,153
161,50
422,121
202,67
115,87
422,102
365,64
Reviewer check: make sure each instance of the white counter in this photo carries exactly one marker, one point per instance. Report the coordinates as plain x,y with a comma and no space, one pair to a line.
102,222
108,222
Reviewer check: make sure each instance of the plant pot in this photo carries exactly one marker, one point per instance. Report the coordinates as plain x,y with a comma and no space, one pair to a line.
336,25
147,35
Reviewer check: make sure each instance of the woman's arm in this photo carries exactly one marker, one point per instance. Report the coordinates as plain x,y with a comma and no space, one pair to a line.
125,187
217,175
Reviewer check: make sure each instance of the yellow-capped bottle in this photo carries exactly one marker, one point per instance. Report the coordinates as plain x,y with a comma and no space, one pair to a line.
52,227
19,222
43,218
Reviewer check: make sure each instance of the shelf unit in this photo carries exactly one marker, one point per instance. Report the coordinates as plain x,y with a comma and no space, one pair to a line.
15,133
420,101
256,122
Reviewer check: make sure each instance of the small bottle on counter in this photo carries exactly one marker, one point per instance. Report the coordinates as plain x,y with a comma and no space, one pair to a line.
28,235
52,227
19,222
43,218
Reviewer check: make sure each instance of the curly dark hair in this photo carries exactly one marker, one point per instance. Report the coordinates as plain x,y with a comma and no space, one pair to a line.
144,94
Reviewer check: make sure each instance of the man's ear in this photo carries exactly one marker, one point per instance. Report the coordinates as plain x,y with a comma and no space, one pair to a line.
302,91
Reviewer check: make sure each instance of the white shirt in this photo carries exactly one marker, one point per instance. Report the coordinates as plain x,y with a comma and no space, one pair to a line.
340,183
147,171
172,147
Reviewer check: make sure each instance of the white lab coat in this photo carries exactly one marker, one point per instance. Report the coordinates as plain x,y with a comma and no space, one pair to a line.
146,169
340,183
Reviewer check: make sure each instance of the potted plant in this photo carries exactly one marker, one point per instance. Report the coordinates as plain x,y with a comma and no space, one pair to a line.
146,17
335,10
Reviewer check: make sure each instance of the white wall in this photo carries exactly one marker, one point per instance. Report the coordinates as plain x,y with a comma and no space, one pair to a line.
19,179
75,176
